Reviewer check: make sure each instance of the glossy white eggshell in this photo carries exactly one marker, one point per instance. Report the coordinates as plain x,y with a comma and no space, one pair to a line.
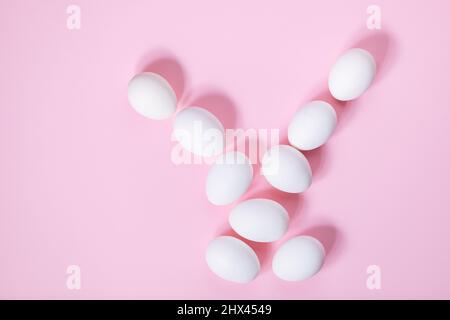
199,131
286,169
352,74
152,96
260,220
298,259
231,259
312,125
229,178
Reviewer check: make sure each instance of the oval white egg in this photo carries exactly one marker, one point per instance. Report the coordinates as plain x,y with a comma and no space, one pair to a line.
298,259
229,178
312,125
152,96
231,259
352,74
199,131
259,220
286,169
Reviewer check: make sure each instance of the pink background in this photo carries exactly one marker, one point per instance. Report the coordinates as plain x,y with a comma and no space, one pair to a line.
85,180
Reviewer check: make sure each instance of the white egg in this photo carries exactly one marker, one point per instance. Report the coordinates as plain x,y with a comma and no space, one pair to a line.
229,178
312,125
286,169
199,131
298,259
152,96
352,74
232,259
259,220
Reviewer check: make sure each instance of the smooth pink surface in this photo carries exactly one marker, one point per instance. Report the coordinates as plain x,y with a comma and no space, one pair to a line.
85,180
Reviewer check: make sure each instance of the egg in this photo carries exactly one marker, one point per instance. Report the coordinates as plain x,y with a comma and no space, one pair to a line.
231,259
298,259
286,169
199,131
152,96
312,125
229,178
259,220
352,74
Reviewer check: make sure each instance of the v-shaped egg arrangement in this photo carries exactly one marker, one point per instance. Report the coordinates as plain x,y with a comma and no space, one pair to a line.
284,167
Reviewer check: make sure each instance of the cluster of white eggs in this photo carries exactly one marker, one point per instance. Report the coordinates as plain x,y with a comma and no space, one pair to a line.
284,167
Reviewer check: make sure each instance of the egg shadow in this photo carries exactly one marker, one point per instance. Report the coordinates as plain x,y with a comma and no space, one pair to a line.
167,65
330,238
216,102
